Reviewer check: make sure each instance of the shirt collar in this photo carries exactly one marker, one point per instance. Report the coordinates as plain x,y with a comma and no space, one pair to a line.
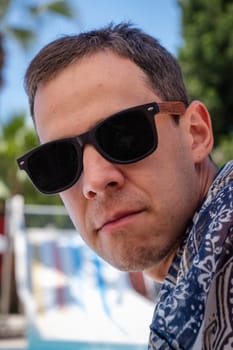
223,177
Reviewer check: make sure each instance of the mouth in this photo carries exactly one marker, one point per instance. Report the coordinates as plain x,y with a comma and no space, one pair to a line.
118,220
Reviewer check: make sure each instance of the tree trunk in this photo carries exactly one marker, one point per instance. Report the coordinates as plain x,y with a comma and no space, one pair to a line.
1,59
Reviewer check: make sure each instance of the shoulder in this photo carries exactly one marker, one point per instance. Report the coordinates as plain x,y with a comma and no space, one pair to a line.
218,318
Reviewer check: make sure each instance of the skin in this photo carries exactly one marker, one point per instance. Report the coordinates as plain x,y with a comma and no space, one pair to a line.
134,216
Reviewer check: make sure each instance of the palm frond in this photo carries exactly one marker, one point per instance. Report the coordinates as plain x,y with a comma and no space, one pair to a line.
4,6
23,36
60,7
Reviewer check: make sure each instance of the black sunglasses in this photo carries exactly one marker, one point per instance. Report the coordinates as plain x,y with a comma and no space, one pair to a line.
125,137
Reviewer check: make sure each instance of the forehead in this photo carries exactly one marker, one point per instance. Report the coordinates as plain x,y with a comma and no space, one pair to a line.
87,91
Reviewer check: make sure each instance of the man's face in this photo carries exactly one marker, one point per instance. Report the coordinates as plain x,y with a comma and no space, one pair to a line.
132,215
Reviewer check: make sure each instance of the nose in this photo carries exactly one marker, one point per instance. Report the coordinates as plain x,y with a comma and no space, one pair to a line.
99,175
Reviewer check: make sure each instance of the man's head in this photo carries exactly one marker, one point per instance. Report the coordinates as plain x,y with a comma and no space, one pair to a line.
132,213
162,72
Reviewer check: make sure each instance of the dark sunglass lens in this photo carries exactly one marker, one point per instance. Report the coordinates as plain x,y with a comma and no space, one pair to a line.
54,166
127,137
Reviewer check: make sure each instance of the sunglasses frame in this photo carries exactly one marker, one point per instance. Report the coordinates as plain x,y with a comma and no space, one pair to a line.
176,108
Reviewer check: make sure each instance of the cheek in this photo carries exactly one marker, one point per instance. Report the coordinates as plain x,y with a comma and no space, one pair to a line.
169,175
75,206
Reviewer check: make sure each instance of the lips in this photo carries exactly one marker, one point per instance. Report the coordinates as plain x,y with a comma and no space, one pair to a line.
117,217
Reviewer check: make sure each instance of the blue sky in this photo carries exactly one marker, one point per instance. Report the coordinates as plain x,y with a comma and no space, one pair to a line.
160,18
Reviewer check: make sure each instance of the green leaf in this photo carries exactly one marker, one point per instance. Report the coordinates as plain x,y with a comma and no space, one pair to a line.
224,151
4,6
206,58
23,36
60,7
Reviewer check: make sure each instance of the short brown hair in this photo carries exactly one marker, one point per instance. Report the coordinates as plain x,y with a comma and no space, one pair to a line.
161,68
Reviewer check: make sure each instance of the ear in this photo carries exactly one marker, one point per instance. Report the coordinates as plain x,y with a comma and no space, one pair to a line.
200,129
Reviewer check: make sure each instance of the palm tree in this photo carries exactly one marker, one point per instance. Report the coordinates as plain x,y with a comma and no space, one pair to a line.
15,136
21,34
1,58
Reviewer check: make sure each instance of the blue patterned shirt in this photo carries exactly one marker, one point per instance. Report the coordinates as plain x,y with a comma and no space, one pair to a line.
195,304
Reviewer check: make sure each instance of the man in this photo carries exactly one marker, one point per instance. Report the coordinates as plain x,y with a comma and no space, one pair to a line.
138,181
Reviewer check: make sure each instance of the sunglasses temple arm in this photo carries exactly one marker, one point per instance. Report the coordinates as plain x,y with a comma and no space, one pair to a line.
173,107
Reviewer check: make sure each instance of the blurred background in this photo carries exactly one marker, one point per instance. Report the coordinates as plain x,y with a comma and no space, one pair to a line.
198,32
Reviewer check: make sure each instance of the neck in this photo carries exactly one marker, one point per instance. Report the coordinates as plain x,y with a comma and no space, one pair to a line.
207,170
159,271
